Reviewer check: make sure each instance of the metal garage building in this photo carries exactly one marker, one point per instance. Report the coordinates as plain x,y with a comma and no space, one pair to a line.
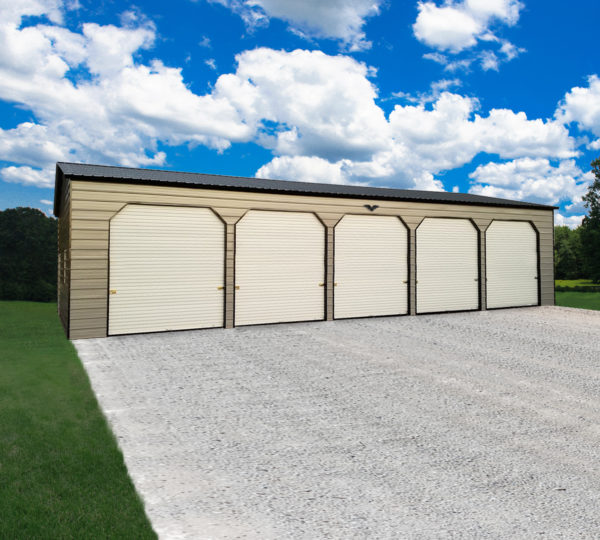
147,250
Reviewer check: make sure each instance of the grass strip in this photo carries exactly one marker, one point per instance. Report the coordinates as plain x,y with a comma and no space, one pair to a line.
583,300
61,472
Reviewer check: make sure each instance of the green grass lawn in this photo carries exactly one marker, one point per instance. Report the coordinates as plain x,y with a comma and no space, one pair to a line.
61,473
584,300
574,283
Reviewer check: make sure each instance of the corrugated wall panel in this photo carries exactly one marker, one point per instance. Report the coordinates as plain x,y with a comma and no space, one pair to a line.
280,262
371,267
166,266
447,265
512,264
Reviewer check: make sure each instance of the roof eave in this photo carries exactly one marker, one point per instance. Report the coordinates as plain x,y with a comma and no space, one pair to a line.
507,204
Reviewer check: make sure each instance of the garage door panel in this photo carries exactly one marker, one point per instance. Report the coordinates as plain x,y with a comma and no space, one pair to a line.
511,264
279,264
447,265
371,267
166,264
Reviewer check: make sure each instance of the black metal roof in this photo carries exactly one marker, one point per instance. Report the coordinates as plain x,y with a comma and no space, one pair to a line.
106,173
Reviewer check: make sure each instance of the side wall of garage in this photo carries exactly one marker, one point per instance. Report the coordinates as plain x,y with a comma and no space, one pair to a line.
64,255
94,203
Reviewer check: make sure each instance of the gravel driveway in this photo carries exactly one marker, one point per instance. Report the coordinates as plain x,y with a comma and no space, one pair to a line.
472,425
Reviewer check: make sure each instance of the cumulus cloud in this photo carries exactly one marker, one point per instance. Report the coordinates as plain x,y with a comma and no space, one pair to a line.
570,221
304,169
456,26
13,11
321,105
582,106
426,139
27,176
335,19
535,180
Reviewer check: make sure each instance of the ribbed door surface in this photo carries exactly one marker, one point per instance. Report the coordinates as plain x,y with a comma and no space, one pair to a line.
447,265
511,264
371,267
166,267
279,266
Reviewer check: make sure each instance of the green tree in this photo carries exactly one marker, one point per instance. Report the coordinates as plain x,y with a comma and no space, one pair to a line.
28,255
567,253
590,228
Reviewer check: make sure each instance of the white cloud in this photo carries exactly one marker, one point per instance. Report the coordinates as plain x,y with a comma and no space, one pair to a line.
110,49
423,141
505,10
14,10
511,134
449,134
570,221
535,180
509,50
582,106
594,145
304,169
28,176
489,60
457,26
447,28
29,144
44,201
335,19
321,105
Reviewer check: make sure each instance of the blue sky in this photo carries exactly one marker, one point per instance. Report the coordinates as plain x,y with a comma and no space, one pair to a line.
496,97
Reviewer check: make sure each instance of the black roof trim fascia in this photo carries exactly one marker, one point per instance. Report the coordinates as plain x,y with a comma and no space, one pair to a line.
76,171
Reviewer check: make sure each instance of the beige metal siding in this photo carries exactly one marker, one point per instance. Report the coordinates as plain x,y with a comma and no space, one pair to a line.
93,203
447,265
279,268
166,269
512,264
371,267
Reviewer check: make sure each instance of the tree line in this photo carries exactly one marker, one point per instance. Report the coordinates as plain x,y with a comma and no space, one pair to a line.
28,255
577,251
28,249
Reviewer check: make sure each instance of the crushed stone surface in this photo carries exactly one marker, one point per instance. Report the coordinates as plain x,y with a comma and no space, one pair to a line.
465,425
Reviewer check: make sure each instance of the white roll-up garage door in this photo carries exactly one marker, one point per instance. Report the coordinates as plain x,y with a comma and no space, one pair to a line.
511,264
447,265
279,268
371,267
166,269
